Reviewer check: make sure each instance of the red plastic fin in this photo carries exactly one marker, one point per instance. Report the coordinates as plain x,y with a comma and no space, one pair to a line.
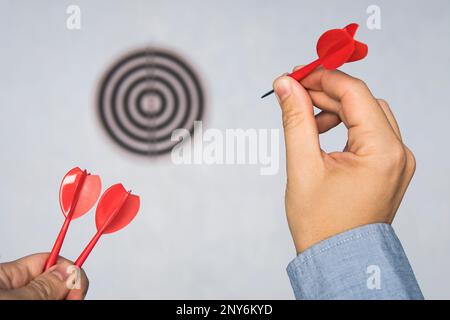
338,57
351,29
331,41
334,48
89,194
116,209
68,188
80,190
126,214
360,52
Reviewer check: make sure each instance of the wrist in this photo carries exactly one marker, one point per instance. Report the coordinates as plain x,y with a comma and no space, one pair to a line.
308,237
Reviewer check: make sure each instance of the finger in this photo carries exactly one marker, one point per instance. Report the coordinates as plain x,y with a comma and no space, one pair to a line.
300,129
408,174
21,271
328,118
358,106
79,284
390,116
298,67
345,147
324,102
18,273
326,121
51,285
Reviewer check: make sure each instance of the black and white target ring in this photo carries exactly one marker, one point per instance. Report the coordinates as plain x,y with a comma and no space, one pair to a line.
147,95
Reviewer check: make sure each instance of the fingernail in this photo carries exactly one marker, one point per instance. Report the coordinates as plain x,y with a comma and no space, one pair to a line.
282,88
60,271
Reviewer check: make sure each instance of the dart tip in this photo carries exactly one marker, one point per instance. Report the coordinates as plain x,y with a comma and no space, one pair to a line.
267,94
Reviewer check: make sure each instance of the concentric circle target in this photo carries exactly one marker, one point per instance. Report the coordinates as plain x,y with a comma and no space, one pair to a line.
147,95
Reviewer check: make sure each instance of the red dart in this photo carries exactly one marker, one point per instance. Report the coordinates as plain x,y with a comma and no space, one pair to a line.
334,48
115,210
78,193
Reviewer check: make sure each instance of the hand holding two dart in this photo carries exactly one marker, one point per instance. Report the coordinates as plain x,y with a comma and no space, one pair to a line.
78,193
334,48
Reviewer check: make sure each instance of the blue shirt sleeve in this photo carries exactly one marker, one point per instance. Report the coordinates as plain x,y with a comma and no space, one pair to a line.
364,263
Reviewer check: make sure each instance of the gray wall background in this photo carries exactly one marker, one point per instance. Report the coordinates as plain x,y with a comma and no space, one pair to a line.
207,231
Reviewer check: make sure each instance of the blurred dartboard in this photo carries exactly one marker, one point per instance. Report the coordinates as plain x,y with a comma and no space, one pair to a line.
145,96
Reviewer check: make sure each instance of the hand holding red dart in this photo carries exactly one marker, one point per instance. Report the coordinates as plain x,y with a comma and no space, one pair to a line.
334,48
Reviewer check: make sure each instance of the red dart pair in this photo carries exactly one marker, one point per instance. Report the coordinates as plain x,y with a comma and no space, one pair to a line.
78,193
334,48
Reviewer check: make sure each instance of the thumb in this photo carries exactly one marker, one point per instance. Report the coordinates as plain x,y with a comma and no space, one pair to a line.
50,285
300,128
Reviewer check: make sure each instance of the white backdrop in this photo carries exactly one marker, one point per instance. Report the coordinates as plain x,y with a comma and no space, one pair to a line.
207,231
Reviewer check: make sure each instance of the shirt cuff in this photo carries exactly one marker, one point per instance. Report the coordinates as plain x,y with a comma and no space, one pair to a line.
367,262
